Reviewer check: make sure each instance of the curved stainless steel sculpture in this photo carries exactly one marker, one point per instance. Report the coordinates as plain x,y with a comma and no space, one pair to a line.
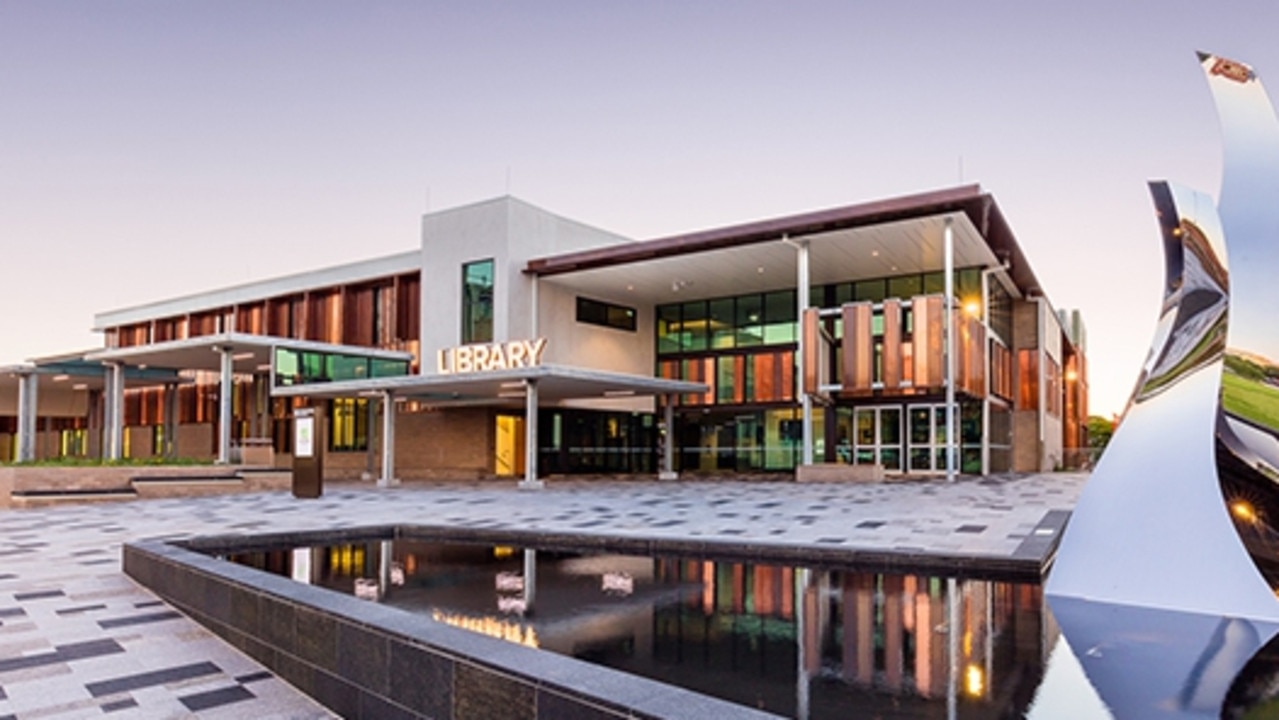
1166,581
1182,512
1248,424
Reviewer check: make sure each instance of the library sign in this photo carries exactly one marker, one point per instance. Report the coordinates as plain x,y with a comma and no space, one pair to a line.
493,356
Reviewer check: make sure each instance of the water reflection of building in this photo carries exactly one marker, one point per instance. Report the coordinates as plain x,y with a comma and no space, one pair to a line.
839,643
864,639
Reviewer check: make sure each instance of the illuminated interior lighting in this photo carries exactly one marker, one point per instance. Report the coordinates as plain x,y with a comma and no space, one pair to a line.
510,394
503,551
80,386
974,681
493,627
973,307
1071,376
61,378
1243,510
243,356
512,384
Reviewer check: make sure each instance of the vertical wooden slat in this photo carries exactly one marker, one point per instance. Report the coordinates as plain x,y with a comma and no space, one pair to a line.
919,341
978,363
936,338
857,372
892,374
812,349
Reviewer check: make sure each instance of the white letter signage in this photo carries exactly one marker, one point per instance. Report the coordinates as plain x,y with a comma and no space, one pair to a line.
494,356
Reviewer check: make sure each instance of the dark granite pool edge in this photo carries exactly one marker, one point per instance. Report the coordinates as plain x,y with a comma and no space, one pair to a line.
364,660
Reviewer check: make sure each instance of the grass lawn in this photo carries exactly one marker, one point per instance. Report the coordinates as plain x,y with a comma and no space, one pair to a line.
1250,399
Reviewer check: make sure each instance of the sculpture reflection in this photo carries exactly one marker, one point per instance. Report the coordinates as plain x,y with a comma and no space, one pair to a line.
1248,426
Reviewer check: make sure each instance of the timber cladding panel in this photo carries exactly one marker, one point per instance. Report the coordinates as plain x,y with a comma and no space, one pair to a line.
858,370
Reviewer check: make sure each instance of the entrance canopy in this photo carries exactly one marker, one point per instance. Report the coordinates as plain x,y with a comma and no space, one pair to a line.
545,382
225,353
248,353
554,383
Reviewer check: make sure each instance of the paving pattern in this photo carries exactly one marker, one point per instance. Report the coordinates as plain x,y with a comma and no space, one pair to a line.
78,639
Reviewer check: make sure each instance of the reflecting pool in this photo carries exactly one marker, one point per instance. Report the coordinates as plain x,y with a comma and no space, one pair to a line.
797,641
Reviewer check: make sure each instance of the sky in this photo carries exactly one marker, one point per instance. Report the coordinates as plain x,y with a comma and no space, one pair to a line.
155,149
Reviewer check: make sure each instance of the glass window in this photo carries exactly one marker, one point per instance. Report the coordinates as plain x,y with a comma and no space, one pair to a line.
388,368
477,302
346,367
725,380
779,317
865,423
872,290
890,426
721,323
693,328
750,320
348,424
934,283
668,329
596,312
843,293
907,286
920,431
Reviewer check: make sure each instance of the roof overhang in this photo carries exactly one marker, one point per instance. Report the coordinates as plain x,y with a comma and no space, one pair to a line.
871,240
249,353
555,383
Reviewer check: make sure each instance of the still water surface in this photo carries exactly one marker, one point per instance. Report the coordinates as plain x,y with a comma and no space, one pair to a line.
799,642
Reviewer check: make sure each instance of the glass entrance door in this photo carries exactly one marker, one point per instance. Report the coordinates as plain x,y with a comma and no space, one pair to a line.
877,437
927,438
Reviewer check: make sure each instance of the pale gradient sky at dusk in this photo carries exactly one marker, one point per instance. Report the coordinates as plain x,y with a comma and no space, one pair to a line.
154,149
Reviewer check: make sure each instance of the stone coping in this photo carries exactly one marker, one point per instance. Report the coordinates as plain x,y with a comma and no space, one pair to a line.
362,659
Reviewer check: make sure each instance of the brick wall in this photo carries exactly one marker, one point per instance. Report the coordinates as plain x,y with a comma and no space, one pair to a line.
449,444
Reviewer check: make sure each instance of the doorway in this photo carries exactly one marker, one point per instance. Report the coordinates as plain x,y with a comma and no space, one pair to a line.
508,448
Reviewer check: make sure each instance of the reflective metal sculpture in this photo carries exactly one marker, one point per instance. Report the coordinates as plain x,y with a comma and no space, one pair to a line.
1182,512
1165,583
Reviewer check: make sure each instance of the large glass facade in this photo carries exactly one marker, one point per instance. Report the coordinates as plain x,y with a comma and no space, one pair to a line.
743,349
586,441
477,302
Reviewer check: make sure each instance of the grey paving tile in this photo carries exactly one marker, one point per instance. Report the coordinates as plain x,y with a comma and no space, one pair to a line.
149,679
1021,518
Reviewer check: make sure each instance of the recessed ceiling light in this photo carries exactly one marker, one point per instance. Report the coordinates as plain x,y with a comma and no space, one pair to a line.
874,253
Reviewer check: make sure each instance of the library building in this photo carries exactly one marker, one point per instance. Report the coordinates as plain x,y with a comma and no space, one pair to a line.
905,337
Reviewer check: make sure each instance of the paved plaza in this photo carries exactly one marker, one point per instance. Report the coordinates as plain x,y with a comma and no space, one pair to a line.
78,639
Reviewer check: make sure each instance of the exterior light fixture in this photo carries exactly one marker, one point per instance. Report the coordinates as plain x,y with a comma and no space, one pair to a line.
1243,510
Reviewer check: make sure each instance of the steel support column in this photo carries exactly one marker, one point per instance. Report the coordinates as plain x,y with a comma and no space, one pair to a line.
28,413
387,478
948,334
225,387
114,409
170,420
801,354
668,448
530,481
